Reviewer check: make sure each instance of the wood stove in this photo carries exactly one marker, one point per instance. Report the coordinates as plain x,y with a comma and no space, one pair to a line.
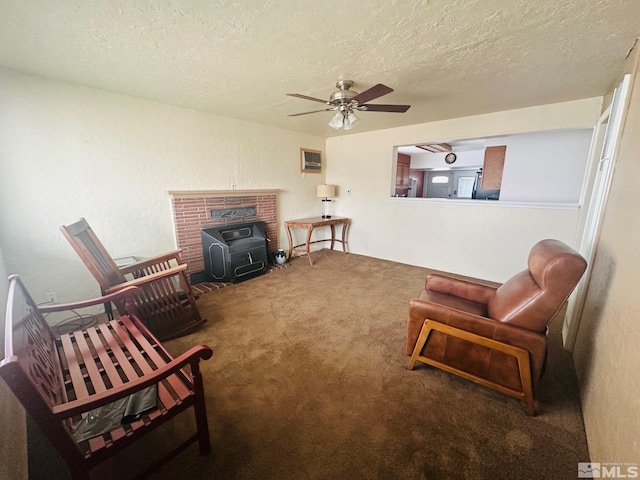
233,253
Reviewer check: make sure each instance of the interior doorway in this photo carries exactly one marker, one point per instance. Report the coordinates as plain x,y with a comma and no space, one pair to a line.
439,184
450,184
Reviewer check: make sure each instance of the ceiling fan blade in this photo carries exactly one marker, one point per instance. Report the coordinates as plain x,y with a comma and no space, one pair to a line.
305,97
385,108
314,111
373,93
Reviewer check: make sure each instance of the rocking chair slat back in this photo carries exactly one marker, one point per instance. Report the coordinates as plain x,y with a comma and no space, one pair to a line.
93,254
164,302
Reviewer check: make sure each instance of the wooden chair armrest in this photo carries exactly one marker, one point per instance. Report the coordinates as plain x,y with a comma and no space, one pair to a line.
76,407
149,278
149,262
127,292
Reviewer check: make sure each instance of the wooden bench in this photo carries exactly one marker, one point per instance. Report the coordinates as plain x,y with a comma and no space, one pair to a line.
59,381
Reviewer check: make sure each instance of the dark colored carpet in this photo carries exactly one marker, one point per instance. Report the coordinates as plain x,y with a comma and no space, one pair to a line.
308,381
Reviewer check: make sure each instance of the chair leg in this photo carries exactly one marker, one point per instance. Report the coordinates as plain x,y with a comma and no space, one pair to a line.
422,339
200,411
524,366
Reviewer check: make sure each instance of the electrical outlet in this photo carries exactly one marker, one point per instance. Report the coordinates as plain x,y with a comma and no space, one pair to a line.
233,186
52,297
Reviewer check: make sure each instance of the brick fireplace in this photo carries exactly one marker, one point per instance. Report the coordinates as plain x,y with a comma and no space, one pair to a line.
197,210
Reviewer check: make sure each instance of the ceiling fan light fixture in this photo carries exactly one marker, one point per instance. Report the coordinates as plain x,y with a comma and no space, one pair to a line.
345,101
337,121
352,118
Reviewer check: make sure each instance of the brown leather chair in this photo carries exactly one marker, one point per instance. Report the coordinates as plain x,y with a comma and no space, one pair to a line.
494,336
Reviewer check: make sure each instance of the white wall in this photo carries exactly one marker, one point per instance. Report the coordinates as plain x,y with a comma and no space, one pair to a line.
68,152
485,240
544,166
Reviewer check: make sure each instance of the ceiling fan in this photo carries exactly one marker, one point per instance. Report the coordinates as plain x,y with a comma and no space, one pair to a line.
345,101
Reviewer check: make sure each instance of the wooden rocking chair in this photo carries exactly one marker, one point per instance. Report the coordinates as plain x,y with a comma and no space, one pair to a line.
165,303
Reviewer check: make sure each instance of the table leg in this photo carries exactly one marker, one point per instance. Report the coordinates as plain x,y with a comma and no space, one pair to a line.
344,236
309,232
333,236
288,229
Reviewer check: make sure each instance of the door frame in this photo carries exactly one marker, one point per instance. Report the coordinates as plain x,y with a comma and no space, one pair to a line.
602,162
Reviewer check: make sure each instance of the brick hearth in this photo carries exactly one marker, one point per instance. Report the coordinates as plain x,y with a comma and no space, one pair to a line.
192,213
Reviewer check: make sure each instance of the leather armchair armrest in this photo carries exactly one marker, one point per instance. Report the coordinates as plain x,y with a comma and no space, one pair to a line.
419,310
474,292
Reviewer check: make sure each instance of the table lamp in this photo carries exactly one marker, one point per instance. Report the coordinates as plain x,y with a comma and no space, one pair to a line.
326,192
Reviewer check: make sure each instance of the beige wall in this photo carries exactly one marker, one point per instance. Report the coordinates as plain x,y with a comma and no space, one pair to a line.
68,152
607,351
455,236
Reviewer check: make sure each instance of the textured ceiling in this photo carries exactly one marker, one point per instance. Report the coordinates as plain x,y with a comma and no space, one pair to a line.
446,58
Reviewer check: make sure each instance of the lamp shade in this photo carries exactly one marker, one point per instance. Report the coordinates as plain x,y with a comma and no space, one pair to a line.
337,121
326,191
350,121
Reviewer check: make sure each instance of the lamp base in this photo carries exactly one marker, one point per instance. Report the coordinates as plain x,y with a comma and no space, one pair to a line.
325,207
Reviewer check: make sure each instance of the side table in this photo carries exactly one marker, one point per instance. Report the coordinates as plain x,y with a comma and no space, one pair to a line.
315,222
